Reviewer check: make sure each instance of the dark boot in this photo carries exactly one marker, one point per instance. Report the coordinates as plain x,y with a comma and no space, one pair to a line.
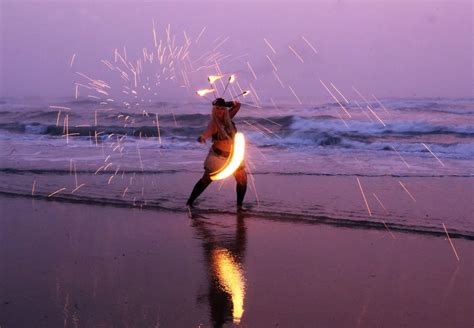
200,186
241,189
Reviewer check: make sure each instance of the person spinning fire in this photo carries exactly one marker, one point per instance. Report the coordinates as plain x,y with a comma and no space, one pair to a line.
222,130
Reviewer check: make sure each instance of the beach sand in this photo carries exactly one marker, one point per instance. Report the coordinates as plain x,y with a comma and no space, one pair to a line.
78,265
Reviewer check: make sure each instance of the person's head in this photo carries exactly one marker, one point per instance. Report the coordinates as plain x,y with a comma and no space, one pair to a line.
221,117
219,109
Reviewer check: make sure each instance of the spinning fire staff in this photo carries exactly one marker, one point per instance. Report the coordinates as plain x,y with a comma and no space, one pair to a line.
226,154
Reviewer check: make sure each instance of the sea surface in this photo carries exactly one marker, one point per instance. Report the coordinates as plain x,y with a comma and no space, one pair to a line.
146,155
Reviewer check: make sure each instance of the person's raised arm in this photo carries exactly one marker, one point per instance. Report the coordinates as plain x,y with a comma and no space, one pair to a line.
234,107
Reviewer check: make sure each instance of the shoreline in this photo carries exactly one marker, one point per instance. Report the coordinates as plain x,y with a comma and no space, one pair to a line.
270,216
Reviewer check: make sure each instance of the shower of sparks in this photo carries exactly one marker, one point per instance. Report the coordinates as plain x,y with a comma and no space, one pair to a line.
271,62
376,116
452,245
334,97
400,157
72,60
294,93
252,71
278,79
269,45
56,192
310,45
340,93
296,54
363,195
33,188
405,188
442,164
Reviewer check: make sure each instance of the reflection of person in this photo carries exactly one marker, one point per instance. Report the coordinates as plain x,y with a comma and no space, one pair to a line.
222,130
224,256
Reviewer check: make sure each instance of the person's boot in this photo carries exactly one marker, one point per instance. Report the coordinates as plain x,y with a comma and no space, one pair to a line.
241,189
197,190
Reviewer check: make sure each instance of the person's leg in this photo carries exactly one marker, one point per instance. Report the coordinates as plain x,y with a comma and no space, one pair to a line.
241,179
200,186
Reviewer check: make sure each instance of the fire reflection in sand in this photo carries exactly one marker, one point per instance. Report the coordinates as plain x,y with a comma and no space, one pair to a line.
224,253
231,279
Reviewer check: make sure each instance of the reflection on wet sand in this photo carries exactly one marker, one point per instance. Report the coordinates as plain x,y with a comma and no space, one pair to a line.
224,253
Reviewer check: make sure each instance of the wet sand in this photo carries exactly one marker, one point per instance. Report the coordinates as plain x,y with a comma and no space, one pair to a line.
76,265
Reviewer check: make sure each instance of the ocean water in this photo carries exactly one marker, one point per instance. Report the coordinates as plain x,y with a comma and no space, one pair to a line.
147,155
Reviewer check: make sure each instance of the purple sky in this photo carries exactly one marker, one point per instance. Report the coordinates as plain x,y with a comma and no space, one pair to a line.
386,48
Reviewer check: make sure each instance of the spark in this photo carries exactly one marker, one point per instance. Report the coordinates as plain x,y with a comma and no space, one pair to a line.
271,62
442,164
158,128
400,156
251,70
77,188
220,43
363,195
386,212
376,116
57,191
200,34
360,95
110,179
75,173
296,54
33,187
452,245
60,107
405,188
310,45
380,202
124,192
294,93
373,96
72,60
334,97
269,45
278,79
154,33
254,92
340,93
57,119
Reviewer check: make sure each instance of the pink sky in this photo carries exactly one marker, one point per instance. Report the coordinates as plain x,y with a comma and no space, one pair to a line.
387,48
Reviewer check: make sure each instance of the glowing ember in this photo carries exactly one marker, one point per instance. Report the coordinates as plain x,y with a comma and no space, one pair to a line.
234,160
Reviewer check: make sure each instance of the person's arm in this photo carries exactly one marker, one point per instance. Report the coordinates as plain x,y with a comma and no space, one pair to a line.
211,129
234,109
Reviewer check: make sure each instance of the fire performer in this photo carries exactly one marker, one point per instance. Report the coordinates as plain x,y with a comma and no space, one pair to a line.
222,130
